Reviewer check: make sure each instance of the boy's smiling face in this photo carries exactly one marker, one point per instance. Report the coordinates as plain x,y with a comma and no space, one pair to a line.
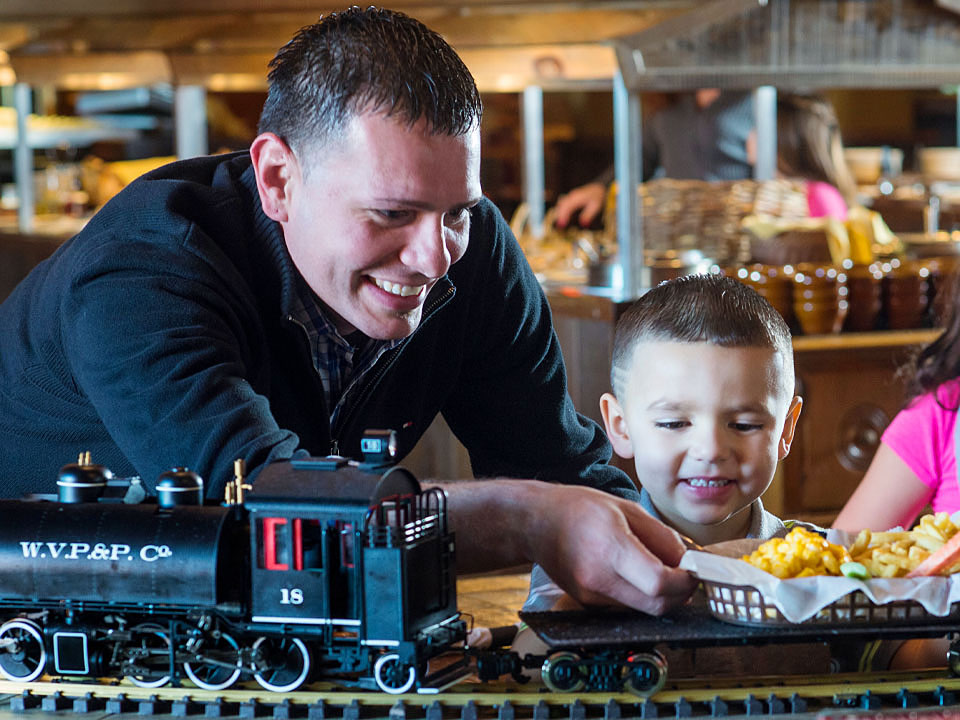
706,425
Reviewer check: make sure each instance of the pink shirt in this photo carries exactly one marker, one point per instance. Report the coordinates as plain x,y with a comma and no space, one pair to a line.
922,436
824,200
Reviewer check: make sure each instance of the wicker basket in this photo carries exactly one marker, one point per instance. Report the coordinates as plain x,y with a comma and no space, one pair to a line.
708,216
745,605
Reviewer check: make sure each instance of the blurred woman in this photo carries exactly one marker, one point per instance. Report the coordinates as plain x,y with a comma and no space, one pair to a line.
809,147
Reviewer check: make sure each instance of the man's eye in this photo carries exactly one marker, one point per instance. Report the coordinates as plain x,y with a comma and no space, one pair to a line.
393,215
456,218
671,424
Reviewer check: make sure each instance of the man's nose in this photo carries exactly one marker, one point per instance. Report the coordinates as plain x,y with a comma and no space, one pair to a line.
426,249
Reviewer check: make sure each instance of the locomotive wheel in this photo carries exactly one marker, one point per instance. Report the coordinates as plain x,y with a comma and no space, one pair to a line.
152,651
286,663
562,672
393,676
24,656
646,674
218,663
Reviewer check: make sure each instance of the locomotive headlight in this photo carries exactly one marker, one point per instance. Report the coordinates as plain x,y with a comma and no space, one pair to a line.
379,447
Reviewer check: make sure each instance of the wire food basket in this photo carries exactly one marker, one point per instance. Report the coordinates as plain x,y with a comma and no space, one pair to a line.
746,605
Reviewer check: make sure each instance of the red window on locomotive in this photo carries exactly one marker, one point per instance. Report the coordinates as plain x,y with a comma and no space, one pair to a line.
297,544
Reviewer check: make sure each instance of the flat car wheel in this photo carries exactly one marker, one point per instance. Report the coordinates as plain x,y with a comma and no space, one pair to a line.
152,652
563,672
23,655
218,663
285,663
393,676
646,674
953,657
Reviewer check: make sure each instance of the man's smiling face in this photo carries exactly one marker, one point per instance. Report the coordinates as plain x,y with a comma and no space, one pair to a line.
377,216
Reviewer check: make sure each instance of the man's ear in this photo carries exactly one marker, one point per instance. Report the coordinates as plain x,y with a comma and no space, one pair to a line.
274,165
616,424
790,426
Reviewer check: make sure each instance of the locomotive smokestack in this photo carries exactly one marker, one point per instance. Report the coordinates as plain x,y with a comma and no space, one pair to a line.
82,481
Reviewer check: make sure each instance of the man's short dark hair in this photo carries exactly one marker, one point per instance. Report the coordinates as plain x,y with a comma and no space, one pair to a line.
699,308
374,60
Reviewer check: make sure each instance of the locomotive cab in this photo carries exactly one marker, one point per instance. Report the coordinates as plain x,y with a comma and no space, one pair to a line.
357,558
306,541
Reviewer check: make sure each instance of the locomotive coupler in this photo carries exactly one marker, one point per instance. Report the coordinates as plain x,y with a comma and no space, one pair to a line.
494,664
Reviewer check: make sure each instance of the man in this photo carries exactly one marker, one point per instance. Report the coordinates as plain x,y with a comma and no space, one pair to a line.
346,274
702,135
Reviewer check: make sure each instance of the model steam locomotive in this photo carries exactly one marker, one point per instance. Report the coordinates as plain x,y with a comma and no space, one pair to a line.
324,568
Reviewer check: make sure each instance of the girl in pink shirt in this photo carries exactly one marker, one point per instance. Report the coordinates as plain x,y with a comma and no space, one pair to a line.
916,463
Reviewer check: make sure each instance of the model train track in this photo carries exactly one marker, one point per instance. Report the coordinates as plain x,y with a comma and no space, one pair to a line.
469,701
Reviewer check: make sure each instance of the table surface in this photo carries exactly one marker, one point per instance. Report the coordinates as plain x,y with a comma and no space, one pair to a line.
493,600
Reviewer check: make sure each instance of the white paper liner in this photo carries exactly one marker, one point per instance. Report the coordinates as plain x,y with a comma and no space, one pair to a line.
799,599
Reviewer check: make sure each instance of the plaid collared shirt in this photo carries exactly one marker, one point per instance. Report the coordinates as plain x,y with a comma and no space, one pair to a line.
338,361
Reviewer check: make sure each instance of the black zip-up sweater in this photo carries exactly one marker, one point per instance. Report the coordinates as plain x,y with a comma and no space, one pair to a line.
161,336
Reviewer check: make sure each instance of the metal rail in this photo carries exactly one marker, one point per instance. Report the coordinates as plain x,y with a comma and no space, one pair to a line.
713,697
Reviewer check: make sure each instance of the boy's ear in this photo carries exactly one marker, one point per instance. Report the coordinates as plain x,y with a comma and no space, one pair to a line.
616,424
790,426
274,165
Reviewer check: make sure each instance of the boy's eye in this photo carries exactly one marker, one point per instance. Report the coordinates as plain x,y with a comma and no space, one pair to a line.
671,424
746,426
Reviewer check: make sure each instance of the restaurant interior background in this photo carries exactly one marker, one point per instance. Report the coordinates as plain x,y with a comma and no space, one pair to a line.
578,130
104,80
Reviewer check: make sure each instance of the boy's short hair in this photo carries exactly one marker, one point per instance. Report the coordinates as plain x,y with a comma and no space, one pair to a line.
699,308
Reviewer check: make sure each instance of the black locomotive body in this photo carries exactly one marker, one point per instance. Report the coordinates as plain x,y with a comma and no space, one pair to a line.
322,570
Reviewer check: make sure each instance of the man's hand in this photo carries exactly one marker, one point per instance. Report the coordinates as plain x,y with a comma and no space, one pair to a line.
587,199
599,548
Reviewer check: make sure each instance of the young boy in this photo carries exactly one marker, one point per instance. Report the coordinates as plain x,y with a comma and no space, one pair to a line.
703,401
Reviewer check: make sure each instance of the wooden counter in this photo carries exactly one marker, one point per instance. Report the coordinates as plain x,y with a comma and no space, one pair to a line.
851,392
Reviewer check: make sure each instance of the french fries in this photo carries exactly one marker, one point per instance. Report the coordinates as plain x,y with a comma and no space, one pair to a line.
894,553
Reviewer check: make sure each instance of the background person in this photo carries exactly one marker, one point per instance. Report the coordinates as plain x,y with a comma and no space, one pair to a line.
345,274
700,135
810,147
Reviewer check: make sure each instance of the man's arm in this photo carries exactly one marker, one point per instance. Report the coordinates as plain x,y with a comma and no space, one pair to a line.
567,509
600,548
